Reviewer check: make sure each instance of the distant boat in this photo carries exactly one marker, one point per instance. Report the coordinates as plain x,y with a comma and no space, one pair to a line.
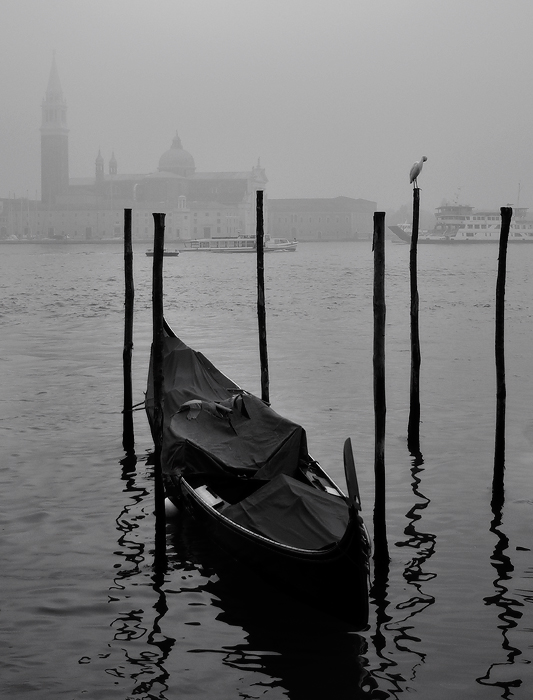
244,243
166,253
459,223
281,245
231,244
404,231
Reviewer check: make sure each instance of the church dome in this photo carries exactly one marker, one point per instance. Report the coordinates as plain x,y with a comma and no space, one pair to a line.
176,160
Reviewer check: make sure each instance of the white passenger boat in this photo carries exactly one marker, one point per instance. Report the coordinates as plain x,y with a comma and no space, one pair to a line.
241,244
485,227
458,223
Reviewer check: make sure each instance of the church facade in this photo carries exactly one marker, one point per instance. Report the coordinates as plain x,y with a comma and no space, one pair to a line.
196,204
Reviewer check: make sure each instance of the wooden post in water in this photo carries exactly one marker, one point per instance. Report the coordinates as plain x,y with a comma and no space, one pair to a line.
501,391
381,551
413,430
157,367
128,440
261,312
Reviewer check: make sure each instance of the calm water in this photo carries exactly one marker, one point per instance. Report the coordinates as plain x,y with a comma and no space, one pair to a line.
83,615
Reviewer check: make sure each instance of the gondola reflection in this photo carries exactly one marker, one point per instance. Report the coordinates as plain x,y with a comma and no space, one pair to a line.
290,645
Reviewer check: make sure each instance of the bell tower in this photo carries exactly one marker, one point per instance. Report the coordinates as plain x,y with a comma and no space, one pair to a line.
54,140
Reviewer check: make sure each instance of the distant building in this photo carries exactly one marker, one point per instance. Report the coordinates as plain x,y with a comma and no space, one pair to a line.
197,205
337,219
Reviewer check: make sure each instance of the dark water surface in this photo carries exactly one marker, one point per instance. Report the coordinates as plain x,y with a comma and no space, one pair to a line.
84,615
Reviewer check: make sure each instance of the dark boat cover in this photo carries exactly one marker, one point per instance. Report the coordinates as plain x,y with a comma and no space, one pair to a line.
288,511
213,428
210,425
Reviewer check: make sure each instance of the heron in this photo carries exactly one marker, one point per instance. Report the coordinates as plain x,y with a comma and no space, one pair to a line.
416,170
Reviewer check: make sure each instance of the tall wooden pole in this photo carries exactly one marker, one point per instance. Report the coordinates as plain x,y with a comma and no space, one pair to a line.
413,430
501,391
157,368
381,551
128,440
261,311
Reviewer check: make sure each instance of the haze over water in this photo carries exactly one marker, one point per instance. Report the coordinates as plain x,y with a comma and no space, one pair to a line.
84,616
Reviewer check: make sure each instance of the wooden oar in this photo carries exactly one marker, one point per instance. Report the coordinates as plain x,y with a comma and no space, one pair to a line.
354,498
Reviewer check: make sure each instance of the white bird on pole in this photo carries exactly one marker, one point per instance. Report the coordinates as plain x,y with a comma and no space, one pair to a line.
416,170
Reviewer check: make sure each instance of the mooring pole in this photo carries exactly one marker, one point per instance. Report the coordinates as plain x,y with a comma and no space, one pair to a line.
157,367
499,345
413,430
128,440
381,551
261,311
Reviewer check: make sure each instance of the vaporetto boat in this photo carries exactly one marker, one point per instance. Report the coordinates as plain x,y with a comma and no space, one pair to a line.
241,244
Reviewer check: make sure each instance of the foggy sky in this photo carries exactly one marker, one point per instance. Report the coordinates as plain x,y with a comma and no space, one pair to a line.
337,97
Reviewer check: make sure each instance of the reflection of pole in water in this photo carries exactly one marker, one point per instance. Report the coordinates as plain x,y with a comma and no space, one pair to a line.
508,614
404,641
147,668
423,545
387,668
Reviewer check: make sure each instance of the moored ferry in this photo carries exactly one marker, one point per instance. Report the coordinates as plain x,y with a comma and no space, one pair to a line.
458,223
485,226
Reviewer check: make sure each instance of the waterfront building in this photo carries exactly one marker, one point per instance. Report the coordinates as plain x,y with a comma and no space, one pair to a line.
196,204
336,219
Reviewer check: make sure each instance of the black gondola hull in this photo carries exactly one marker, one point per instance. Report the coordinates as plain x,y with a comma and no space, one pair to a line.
333,580
244,472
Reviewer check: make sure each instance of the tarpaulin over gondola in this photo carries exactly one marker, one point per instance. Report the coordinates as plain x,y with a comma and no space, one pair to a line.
210,425
293,513
244,472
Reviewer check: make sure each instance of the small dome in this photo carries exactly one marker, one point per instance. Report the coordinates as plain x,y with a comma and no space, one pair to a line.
176,160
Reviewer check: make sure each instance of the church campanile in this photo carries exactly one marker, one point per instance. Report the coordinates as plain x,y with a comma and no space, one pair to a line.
54,140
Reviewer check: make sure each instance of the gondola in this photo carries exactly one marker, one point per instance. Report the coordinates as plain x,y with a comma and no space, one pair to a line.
244,471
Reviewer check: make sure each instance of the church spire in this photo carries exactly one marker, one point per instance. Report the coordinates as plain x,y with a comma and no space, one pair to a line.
54,139
54,113
54,90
